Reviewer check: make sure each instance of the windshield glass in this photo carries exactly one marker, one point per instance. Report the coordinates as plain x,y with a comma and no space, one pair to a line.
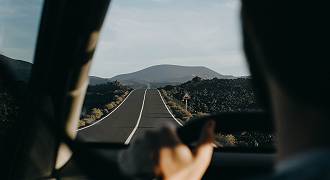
19,23
166,61
19,28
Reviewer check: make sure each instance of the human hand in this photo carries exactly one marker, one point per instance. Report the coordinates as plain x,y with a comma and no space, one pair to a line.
163,154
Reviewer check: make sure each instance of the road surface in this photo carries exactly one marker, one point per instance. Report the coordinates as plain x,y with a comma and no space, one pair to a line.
143,109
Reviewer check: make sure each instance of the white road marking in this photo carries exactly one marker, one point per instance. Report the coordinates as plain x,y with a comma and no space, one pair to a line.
138,121
169,109
98,121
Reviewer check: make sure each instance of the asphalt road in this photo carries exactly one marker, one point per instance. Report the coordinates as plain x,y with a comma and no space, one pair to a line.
142,110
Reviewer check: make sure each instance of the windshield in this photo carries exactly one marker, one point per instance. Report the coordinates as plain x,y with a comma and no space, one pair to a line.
167,61
19,28
19,23
156,62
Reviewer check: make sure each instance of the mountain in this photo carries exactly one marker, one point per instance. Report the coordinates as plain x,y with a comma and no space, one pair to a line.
154,76
168,74
19,69
94,80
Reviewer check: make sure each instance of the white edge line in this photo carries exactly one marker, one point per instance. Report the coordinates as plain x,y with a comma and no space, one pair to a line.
138,121
107,114
169,109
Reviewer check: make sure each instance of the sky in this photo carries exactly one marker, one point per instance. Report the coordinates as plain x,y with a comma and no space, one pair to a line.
140,33
19,22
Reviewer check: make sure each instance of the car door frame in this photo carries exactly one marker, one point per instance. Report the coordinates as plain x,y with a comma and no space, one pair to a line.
66,42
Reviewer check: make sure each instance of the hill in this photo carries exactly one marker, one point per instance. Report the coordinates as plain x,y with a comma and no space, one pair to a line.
101,97
12,93
20,69
154,76
168,74
94,80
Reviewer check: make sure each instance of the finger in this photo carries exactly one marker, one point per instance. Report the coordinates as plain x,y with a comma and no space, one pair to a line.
204,149
167,140
207,134
169,137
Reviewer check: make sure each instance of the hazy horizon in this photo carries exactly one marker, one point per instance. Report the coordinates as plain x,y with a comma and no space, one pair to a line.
140,34
159,65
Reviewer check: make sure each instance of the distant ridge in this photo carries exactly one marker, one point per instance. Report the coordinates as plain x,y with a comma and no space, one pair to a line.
20,69
94,80
158,75
169,74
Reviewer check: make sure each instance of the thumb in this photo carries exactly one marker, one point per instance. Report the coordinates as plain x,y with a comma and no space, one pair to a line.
204,148
207,134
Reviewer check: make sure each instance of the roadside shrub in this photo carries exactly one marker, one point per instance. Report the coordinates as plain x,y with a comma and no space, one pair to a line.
97,113
81,123
170,103
186,113
176,108
110,106
88,120
181,113
225,140
200,114
107,96
120,99
231,139
126,93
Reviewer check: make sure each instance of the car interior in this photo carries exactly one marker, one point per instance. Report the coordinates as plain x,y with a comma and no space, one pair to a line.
43,144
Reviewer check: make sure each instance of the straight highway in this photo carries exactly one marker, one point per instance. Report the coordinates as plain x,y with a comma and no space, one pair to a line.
143,109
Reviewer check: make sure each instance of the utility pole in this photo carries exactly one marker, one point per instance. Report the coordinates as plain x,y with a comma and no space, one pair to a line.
185,98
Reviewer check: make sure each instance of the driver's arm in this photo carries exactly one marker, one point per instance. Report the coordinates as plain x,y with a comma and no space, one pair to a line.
163,154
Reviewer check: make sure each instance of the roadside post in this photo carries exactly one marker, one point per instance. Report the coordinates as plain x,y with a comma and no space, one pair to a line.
185,98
